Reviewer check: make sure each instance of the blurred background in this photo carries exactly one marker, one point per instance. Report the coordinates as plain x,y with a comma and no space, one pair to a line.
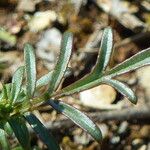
42,23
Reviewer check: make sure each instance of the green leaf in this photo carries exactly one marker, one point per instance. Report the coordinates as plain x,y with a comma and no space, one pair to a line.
101,64
42,132
85,83
3,140
122,88
138,60
8,129
30,68
64,57
4,92
18,148
78,118
16,83
44,80
21,97
20,129
104,52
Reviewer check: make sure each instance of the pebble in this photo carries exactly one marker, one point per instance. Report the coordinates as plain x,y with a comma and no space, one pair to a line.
143,75
98,97
41,20
48,46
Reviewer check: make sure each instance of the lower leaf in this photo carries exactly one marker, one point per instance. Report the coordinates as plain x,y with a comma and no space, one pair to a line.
3,140
78,118
20,129
42,132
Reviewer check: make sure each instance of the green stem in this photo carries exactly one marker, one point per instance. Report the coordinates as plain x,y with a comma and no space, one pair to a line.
31,104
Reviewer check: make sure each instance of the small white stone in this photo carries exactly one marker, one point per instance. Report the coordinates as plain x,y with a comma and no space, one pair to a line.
41,20
98,97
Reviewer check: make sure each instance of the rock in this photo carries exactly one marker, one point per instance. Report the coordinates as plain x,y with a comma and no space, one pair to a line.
82,138
99,97
143,147
137,143
78,4
104,129
143,75
27,5
49,45
123,128
145,131
115,140
41,20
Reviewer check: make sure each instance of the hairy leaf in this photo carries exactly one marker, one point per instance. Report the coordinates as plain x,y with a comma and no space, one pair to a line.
20,129
42,132
122,88
30,68
18,148
5,91
101,64
3,140
64,57
138,60
105,51
8,129
16,83
78,118
85,83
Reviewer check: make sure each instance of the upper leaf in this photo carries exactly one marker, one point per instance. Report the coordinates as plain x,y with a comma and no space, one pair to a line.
122,88
64,57
44,80
78,118
5,92
42,132
101,64
20,129
16,83
136,61
104,52
30,69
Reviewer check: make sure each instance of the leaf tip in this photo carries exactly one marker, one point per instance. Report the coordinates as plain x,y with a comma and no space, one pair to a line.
134,100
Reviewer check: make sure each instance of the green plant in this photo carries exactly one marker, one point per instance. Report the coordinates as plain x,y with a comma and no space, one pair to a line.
18,100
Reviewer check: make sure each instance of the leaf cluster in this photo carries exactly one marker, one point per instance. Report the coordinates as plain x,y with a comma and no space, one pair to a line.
18,100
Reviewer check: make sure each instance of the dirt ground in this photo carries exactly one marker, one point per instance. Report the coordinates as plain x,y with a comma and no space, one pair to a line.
42,23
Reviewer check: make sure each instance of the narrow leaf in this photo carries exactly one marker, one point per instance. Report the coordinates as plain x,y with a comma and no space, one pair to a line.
20,129
64,57
16,83
105,51
101,64
18,148
3,140
44,80
138,60
85,83
4,92
42,132
122,88
78,118
30,68
8,129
